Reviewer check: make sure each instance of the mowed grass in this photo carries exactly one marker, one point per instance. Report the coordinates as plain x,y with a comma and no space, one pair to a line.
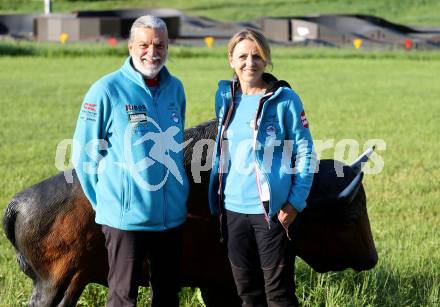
394,99
413,12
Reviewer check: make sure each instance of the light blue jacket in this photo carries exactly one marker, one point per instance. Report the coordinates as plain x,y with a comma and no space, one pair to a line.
134,177
281,117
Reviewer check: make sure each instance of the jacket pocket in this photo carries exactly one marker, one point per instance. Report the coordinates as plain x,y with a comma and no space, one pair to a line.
125,191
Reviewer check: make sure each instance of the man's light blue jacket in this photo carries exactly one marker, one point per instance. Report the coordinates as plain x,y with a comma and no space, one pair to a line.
128,151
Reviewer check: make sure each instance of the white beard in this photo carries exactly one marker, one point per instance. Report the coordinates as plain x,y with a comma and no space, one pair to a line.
149,72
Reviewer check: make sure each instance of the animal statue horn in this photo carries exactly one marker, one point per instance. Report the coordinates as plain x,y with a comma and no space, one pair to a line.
350,192
359,163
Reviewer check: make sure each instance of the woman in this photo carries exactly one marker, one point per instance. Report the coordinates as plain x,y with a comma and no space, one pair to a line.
263,134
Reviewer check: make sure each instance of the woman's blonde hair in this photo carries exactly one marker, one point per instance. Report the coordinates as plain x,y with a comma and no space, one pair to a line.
257,38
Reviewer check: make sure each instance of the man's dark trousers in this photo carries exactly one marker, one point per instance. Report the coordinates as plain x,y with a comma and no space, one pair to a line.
262,260
126,252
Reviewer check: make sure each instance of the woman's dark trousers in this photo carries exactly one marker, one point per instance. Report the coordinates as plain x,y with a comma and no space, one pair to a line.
262,260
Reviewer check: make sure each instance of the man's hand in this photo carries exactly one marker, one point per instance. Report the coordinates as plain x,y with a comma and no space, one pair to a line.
287,215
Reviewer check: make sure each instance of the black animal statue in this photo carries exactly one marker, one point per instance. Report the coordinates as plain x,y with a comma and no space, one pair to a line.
60,247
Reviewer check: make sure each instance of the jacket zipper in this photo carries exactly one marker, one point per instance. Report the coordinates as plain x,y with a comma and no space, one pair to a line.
164,190
257,167
223,127
164,194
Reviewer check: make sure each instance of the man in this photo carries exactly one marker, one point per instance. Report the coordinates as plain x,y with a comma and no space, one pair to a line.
128,154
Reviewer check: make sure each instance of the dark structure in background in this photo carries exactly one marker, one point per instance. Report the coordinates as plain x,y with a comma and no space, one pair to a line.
125,19
328,30
49,28
337,30
96,25
17,25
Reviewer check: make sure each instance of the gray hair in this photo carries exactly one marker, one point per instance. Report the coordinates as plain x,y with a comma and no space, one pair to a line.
147,21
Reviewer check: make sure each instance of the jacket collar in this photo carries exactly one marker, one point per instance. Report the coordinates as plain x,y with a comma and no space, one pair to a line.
274,83
135,76
231,87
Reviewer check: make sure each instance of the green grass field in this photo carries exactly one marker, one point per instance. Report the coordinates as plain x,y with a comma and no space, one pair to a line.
389,96
413,12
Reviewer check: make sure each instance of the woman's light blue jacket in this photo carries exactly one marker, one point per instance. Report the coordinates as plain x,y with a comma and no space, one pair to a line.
283,147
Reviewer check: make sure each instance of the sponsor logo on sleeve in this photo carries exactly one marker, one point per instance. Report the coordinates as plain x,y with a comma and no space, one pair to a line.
88,112
304,120
90,106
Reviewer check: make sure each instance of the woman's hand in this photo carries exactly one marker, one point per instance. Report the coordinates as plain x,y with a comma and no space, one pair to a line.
287,215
